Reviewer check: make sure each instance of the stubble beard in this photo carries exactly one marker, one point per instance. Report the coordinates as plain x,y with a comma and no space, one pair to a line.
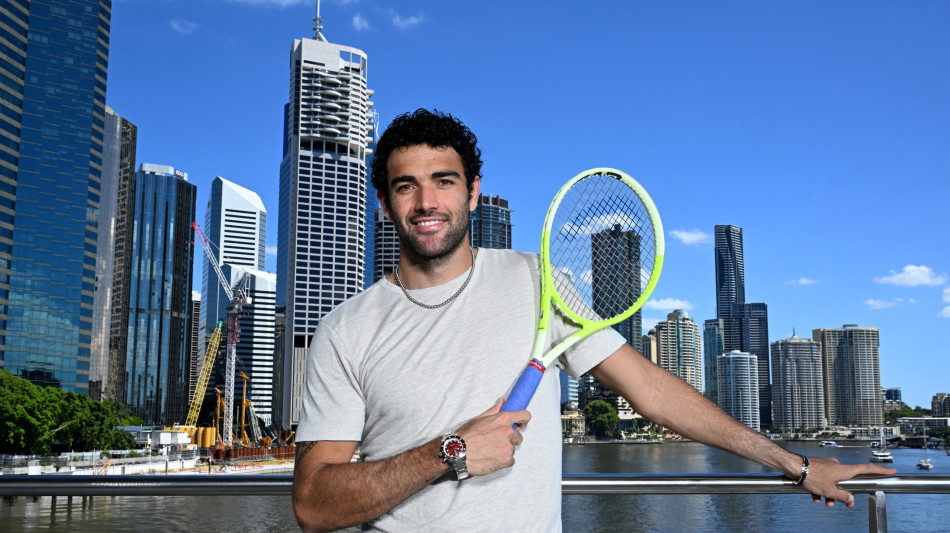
424,248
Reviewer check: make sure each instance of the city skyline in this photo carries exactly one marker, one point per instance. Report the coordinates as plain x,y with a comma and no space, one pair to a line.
726,114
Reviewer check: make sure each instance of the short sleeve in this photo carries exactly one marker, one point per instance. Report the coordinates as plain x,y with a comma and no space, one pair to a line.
333,405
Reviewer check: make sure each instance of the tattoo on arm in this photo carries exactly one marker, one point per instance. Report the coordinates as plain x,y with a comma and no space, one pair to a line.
302,449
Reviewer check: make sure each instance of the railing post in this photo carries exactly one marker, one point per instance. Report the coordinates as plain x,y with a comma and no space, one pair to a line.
877,512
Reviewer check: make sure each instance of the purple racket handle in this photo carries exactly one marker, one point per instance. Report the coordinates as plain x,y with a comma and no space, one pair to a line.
525,386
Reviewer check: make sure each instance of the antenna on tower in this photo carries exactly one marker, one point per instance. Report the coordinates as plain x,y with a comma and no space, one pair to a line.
318,26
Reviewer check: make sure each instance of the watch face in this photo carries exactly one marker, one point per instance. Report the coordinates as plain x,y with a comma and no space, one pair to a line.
454,448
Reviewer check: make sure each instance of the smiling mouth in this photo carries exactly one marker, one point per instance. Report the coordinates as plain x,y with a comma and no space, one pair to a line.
428,223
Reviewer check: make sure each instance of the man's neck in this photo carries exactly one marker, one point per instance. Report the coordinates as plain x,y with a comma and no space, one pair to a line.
416,272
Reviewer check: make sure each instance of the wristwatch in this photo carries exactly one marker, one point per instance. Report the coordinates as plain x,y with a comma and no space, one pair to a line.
453,452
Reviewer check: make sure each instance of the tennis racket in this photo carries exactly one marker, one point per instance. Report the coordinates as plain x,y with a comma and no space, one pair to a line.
601,254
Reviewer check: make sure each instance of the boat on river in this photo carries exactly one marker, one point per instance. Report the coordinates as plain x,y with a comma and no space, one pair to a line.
828,443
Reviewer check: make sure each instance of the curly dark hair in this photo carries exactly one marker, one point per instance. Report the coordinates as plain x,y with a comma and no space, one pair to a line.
433,128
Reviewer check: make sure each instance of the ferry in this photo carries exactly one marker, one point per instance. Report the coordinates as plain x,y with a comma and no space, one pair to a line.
828,443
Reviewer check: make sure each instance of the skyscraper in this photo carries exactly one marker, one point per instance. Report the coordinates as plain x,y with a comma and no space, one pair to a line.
154,384
616,279
679,349
713,347
194,356
385,247
322,215
490,223
798,395
730,270
739,387
118,168
744,325
53,69
852,375
236,227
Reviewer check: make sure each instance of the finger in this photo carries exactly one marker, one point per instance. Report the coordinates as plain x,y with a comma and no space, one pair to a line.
842,496
516,438
816,498
495,408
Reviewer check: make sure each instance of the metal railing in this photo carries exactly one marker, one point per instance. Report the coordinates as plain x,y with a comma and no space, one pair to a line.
571,484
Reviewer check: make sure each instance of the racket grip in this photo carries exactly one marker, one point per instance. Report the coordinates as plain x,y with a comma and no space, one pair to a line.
525,386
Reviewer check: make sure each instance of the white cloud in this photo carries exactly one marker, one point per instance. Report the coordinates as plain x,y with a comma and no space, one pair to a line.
691,238
360,23
404,23
667,304
945,313
650,323
801,281
270,250
946,295
879,304
913,276
184,27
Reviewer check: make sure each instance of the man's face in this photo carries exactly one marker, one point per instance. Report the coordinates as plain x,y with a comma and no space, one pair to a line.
428,201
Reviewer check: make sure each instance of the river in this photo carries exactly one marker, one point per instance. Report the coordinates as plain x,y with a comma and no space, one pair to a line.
595,514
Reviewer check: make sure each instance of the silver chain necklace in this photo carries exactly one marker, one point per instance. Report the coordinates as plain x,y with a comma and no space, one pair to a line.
436,306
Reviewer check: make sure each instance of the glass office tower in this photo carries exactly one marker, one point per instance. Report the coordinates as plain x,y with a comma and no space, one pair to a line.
155,386
615,261
490,224
53,69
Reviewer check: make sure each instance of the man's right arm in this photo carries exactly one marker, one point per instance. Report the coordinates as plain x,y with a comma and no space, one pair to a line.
330,492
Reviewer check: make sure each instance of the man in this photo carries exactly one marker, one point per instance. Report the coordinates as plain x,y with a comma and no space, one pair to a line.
408,368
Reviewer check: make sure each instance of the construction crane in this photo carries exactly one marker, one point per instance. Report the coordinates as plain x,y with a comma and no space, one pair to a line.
248,407
237,299
199,395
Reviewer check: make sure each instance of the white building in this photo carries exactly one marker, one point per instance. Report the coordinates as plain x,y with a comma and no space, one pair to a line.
852,375
797,385
679,348
385,247
739,386
323,187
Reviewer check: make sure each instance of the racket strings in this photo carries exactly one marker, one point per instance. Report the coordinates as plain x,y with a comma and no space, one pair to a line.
602,247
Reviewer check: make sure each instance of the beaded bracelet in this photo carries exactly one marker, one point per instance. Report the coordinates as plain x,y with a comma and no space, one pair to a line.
804,469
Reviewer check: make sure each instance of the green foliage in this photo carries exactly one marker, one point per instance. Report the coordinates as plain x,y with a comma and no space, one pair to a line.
33,418
891,417
601,417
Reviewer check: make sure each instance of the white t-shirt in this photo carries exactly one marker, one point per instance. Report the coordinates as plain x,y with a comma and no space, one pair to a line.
392,375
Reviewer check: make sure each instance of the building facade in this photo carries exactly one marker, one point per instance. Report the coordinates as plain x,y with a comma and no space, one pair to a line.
490,223
53,71
797,385
616,279
195,357
118,170
323,186
739,387
852,375
679,348
749,322
940,404
730,270
713,347
154,384
385,247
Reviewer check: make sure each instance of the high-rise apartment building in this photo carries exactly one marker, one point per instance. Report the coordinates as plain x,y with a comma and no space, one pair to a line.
892,394
797,385
154,380
616,279
385,247
713,347
852,374
679,348
323,179
744,325
739,387
490,223
54,58
940,404
118,169
648,345
568,389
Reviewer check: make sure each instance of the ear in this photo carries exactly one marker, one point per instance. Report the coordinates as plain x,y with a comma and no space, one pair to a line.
384,203
473,197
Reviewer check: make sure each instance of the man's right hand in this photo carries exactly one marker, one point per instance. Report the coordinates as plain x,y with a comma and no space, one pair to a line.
490,439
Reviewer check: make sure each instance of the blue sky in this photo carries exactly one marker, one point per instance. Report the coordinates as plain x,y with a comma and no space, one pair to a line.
821,128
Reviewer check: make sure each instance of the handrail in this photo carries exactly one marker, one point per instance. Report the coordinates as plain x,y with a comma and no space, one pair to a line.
571,484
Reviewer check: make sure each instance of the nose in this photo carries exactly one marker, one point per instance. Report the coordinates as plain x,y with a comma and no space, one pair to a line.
426,198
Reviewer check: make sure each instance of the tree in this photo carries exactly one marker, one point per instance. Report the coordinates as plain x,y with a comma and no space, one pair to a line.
602,419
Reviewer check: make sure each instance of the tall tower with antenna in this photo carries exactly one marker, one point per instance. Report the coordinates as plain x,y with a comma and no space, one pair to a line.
321,222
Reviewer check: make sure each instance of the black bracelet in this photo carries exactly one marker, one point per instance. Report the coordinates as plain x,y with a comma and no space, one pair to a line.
804,470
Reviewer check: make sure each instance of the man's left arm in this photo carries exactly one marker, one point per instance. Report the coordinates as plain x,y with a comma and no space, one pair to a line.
671,402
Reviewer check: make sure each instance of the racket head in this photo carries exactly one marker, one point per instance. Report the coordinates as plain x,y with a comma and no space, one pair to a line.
602,248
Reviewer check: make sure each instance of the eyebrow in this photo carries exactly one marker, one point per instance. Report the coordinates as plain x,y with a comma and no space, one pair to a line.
409,178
